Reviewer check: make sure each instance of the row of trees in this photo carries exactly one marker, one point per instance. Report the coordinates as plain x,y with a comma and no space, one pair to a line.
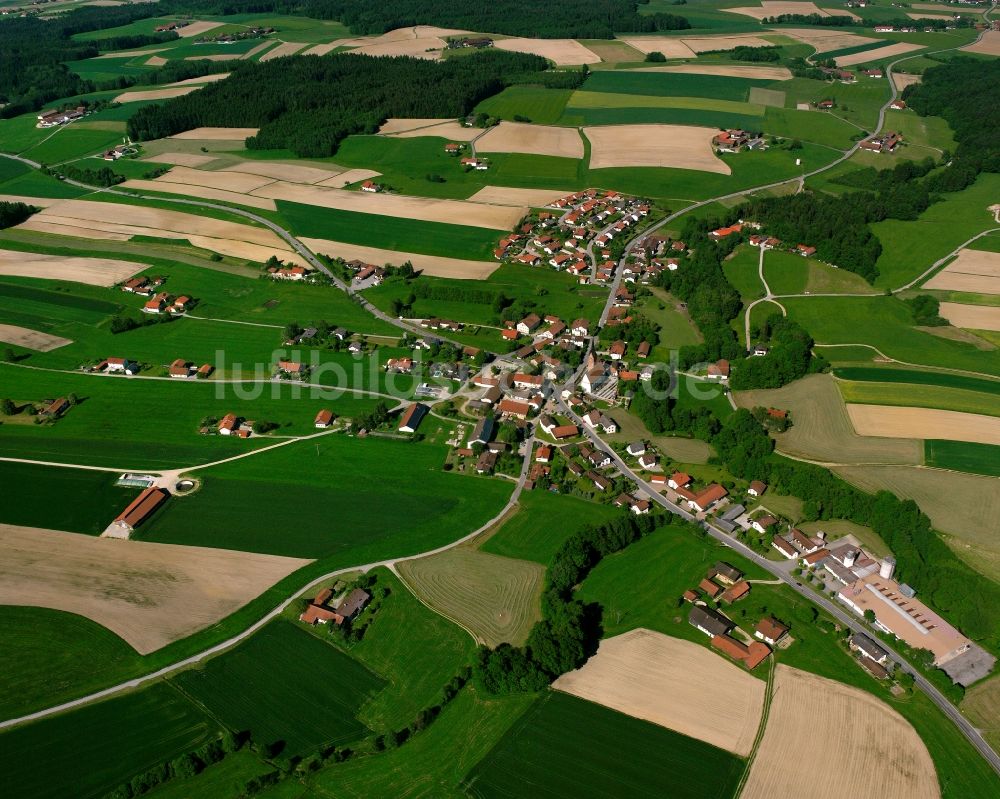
752,54
309,105
569,630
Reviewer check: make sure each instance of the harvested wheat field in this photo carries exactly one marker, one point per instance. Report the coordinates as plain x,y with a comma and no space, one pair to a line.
521,137
345,179
322,49
155,94
222,57
196,29
725,70
149,594
774,8
237,181
705,44
38,202
292,172
674,683
456,212
678,146
496,599
670,46
181,159
501,195
432,265
891,421
846,743
155,61
902,79
971,317
444,128
975,271
988,45
132,53
92,271
214,78
31,339
877,54
564,52
283,49
925,15
429,48
821,429
217,134
73,230
824,40
203,192
982,707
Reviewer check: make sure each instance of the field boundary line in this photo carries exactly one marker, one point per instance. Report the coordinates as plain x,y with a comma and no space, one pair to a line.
910,363
392,567
761,728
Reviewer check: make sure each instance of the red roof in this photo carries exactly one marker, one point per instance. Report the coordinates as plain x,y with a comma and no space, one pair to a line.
710,588
324,417
740,589
142,506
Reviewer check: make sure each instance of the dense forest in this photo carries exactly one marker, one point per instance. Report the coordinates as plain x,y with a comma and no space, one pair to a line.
309,105
12,214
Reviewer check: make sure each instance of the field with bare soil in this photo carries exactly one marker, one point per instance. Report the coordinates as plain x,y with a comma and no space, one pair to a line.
846,742
92,271
496,598
196,29
903,79
433,265
774,8
988,45
214,78
149,594
203,192
283,49
31,339
670,46
564,52
181,159
725,70
975,271
878,53
674,683
971,317
825,40
217,134
705,44
520,137
501,195
412,128
679,146
901,422
155,94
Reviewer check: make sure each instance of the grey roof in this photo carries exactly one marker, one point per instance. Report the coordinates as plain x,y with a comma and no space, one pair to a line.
733,512
484,430
725,525
726,570
708,619
868,646
353,603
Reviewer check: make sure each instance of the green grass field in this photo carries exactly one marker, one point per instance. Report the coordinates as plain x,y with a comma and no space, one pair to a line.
88,752
356,499
885,323
88,501
391,233
216,780
676,327
283,684
672,84
788,273
741,270
920,396
497,598
73,655
552,751
542,523
540,105
878,374
963,456
103,430
74,141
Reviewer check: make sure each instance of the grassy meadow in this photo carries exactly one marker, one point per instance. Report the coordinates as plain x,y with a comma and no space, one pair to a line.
920,396
963,456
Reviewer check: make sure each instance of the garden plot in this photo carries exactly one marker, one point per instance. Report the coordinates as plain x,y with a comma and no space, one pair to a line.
455,212
674,683
520,137
501,195
283,49
432,265
564,52
888,421
775,8
971,317
975,271
149,594
989,44
846,742
31,339
155,94
92,271
216,134
725,71
678,146
877,54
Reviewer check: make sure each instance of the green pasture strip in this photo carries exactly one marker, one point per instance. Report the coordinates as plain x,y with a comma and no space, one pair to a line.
605,100
885,374
551,750
672,84
963,456
541,105
38,184
635,115
920,396
71,143
268,685
542,523
859,48
90,751
359,498
140,26
391,233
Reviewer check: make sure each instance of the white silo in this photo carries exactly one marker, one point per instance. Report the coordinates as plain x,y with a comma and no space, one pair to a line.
888,566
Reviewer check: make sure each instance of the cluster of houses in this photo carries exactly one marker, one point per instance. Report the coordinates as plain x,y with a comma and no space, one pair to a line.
51,119
476,42
371,187
166,303
882,143
288,272
723,585
324,609
184,370
733,140
116,365
119,151
560,237
365,275
233,425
